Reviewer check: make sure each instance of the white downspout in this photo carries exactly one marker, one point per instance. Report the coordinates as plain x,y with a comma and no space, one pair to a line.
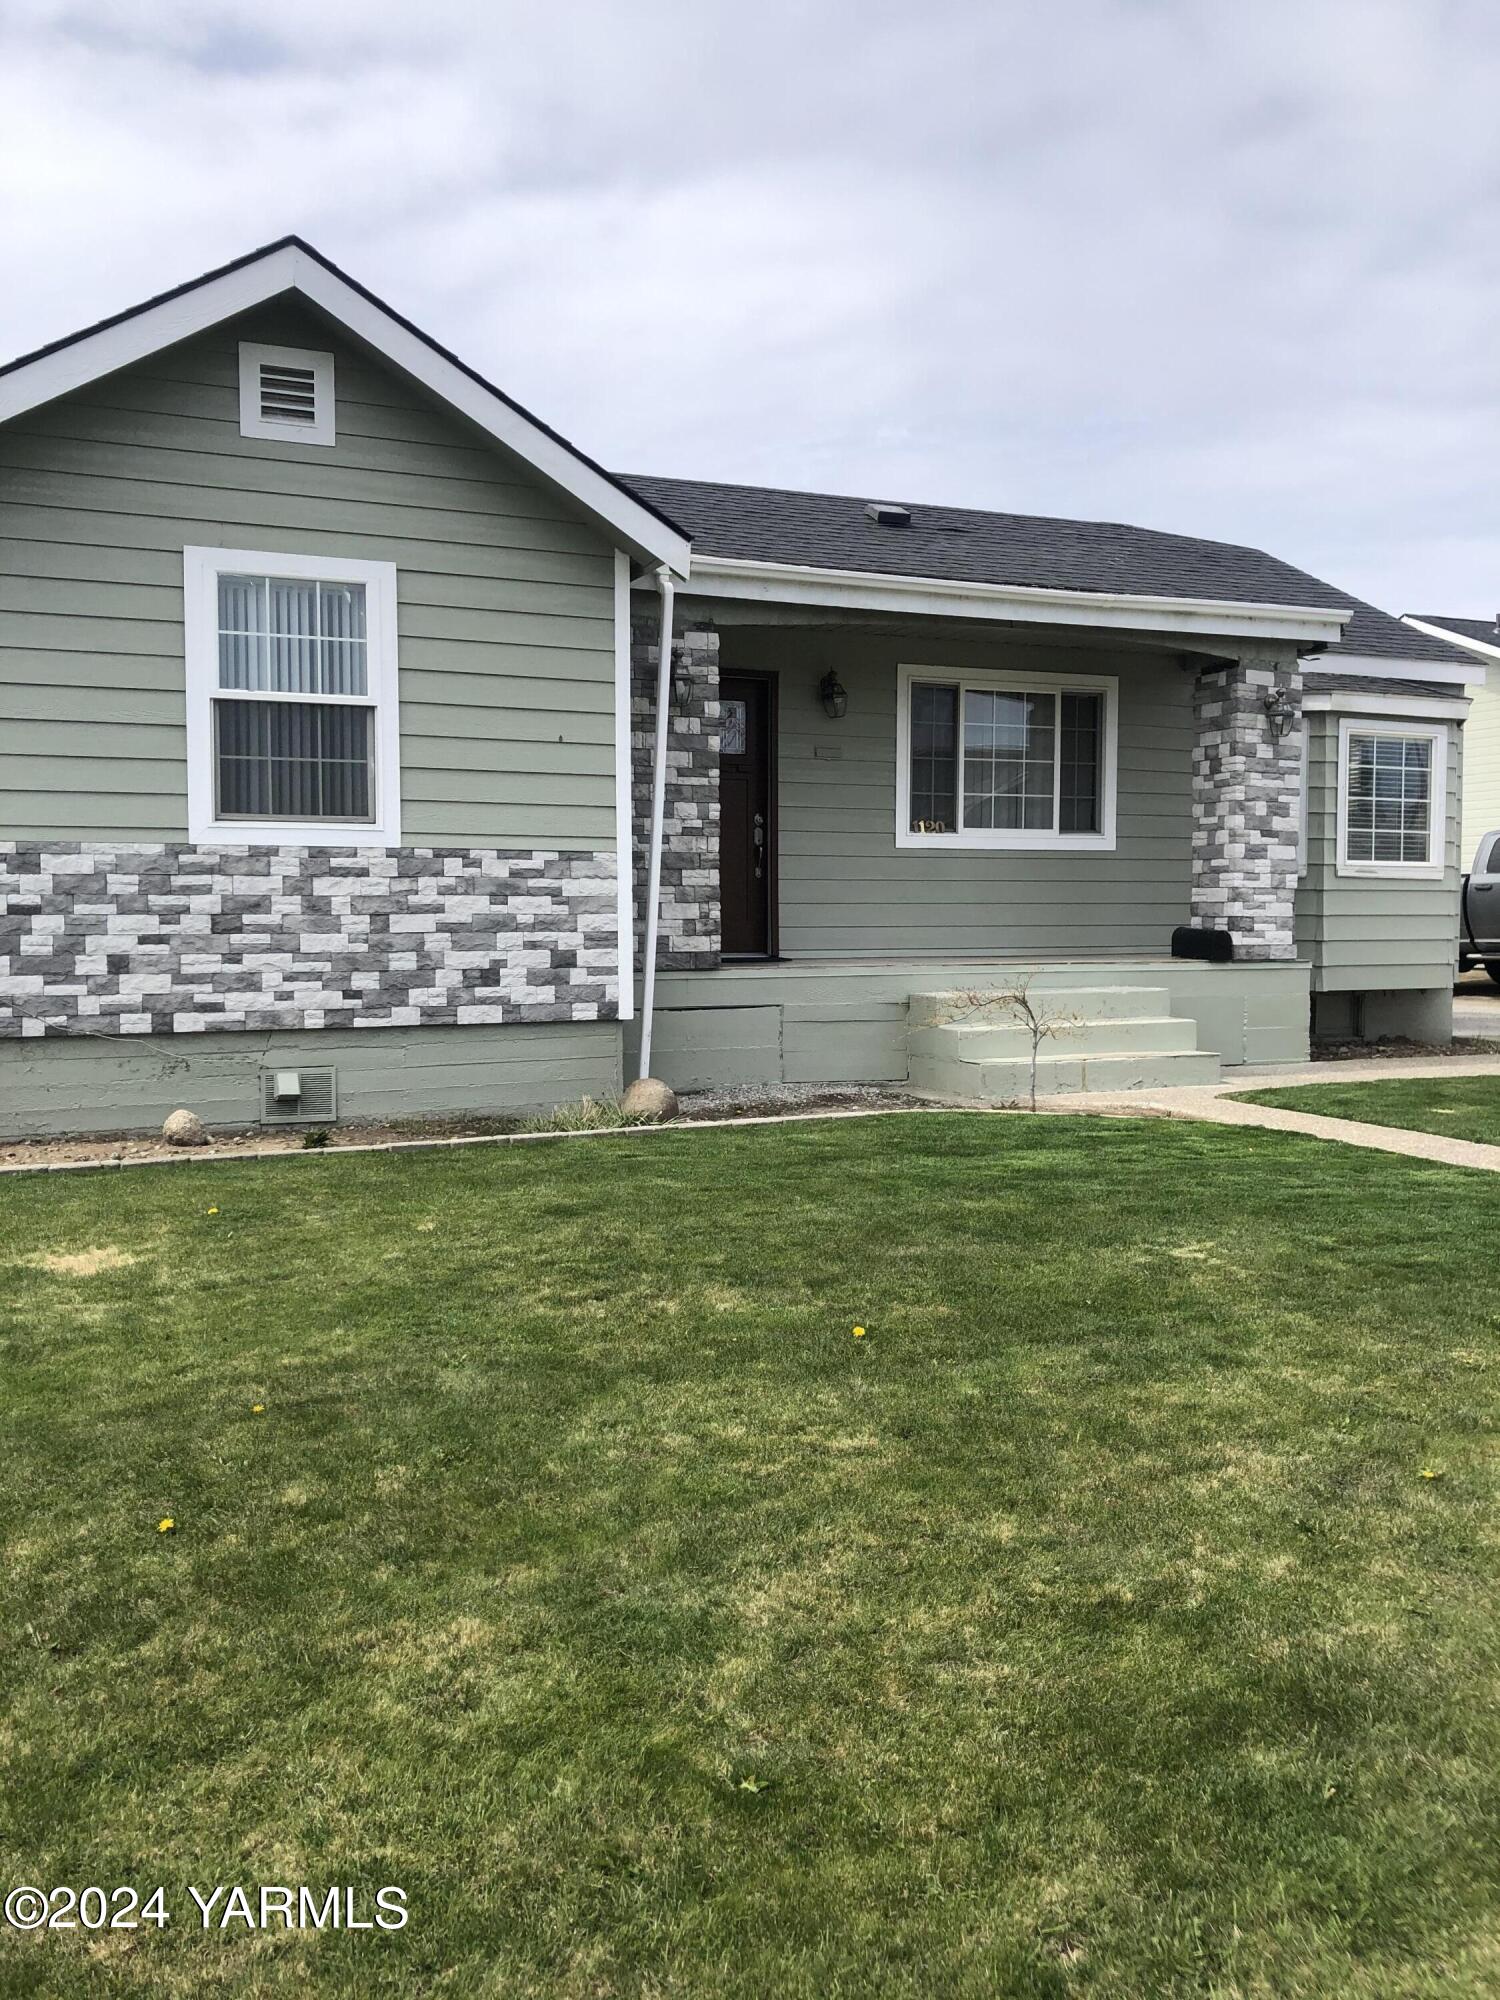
658,815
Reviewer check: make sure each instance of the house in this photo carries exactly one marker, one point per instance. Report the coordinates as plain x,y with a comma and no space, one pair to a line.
329,757
1480,639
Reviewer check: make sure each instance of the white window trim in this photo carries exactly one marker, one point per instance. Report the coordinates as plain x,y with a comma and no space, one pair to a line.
1432,868
322,430
1012,839
201,570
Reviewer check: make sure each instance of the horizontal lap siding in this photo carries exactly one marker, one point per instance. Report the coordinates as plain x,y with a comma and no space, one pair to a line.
1481,766
846,887
1372,933
504,599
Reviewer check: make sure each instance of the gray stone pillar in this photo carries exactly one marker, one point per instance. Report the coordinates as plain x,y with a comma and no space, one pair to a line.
690,927
1247,784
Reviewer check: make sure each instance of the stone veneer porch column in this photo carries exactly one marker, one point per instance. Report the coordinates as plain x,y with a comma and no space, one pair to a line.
1247,785
689,933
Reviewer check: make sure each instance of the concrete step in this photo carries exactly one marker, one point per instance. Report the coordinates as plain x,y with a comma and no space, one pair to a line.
1007,1079
1059,1002
985,1041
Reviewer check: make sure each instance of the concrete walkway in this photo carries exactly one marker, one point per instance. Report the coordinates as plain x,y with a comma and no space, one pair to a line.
1220,1104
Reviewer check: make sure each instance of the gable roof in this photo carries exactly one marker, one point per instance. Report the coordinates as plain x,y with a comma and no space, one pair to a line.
1477,634
290,265
962,544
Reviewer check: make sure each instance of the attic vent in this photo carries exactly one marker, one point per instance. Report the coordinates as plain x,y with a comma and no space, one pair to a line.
286,393
298,1097
888,513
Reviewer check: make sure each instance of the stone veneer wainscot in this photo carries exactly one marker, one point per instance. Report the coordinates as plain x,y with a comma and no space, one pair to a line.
172,939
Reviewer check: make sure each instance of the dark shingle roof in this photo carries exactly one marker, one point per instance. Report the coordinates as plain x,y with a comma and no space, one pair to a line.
1486,630
832,531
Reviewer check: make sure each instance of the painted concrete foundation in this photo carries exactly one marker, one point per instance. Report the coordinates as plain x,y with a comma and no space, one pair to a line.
1423,1014
842,1023
75,1084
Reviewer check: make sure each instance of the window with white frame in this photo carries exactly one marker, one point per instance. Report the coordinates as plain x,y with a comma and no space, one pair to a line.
1392,787
1001,760
286,393
291,685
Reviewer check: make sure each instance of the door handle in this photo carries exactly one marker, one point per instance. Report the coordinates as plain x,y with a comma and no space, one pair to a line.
758,836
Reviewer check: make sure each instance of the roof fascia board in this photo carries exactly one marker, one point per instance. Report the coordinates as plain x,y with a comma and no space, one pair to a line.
767,582
194,310
136,337
1480,646
1430,707
1381,669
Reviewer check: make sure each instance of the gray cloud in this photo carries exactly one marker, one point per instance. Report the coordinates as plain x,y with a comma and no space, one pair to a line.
1234,271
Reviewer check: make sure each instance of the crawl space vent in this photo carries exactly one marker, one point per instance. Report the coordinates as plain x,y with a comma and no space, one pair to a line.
297,1096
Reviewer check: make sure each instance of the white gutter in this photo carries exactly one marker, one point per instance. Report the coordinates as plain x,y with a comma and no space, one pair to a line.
1381,669
928,596
624,802
658,816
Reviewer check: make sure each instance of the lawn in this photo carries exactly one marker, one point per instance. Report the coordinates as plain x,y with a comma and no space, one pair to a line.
1460,1107
1091,1625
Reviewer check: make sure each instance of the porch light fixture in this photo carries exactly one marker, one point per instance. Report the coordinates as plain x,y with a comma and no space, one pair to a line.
835,696
1280,714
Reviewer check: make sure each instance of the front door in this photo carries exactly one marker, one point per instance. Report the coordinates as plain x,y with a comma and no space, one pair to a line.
746,854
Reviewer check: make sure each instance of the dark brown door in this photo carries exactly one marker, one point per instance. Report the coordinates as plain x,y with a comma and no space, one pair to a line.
747,859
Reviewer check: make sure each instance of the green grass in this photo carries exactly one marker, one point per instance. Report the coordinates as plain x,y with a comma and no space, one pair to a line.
1086,1628
1459,1107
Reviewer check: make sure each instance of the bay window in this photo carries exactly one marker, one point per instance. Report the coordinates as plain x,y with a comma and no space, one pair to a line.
1000,760
291,681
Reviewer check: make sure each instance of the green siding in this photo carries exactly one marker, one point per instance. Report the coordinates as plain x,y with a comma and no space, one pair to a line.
73,1084
847,888
505,598
1372,933
1481,765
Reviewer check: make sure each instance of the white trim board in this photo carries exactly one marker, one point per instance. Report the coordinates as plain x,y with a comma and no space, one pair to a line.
929,596
1430,870
290,267
1418,706
201,570
1380,669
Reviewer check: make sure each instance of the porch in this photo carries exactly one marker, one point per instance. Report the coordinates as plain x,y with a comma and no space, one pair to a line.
832,905
950,1026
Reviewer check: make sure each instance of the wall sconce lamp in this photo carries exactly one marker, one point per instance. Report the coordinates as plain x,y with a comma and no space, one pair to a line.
1280,714
835,696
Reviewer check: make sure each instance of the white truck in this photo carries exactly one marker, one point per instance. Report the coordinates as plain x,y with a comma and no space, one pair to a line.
1479,911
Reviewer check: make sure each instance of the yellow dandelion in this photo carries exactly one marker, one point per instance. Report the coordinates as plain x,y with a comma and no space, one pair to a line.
859,1333
165,1527
257,1409
213,1211
1431,1472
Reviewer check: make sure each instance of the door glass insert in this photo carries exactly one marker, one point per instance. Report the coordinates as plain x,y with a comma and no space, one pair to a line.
733,728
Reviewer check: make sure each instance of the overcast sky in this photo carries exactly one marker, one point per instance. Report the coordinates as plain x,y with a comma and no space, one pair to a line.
1229,269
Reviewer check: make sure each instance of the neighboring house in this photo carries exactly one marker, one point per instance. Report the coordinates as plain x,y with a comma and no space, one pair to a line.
327,749
1480,638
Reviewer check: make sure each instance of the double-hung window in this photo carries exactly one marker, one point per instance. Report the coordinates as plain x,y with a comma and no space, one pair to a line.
291,685
1005,760
1392,792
